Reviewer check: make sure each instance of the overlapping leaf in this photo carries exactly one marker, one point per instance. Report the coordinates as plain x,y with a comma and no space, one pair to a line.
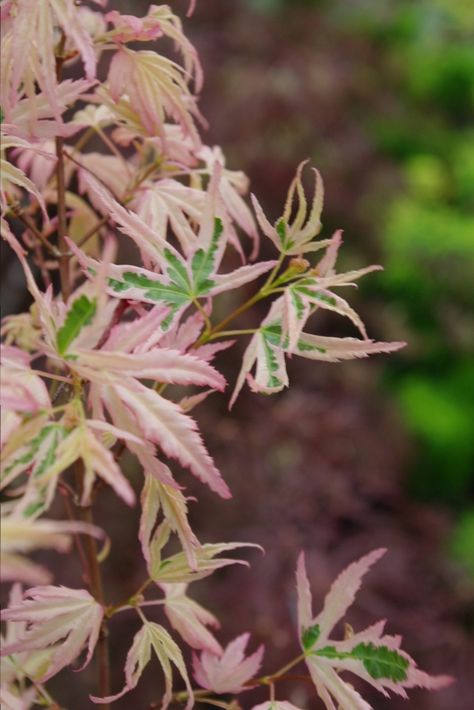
176,569
158,496
161,421
190,619
20,535
269,345
56,614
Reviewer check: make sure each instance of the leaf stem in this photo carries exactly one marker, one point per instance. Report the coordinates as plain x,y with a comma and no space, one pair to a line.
230,333
128,603
201,310
265,291
281,671
206,336
269,680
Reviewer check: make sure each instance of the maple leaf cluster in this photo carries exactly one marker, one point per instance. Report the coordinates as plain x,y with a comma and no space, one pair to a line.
97,364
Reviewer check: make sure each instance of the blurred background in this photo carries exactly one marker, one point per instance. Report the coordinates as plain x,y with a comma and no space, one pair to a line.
379,95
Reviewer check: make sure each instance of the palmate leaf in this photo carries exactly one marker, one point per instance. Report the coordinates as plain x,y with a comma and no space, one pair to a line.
82,443
370,654
56,614
152,637
303,298
37,456
158,496
230,670
379,661
168,203
163,422
79,314
136,286
181,287
190,619
20,535
160,364
295,237
176,569
270,344
180,283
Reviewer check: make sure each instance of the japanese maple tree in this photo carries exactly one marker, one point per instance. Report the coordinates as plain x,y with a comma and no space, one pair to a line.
86,370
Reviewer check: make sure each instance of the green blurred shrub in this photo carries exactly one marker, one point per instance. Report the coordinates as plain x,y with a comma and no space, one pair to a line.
428,231
462,545
409,68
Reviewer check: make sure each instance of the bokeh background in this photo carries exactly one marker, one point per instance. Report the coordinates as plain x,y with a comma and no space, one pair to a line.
379,95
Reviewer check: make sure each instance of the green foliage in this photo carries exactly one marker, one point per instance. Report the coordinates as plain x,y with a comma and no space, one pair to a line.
378,661
440,413
171,294
310,636
381,662
428,228
203,263
79,315
462,543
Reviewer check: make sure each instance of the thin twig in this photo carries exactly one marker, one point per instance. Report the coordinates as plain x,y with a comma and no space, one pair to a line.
28,222
124,199
96,587
61,190
77,539
88,235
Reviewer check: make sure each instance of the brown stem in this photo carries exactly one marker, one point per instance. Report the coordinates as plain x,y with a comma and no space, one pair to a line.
220,326
103,659
61,189
28,222
96,588
126,197
77,538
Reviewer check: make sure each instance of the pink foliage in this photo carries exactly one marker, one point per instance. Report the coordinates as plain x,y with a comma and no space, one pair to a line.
118,356
230,670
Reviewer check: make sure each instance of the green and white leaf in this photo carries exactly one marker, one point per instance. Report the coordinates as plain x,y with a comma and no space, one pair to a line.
79,315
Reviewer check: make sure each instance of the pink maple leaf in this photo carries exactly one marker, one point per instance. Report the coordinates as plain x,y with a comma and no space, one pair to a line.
229,671
370,654
54,614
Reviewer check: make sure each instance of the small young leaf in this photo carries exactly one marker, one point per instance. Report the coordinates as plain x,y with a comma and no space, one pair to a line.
310,636
280,228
